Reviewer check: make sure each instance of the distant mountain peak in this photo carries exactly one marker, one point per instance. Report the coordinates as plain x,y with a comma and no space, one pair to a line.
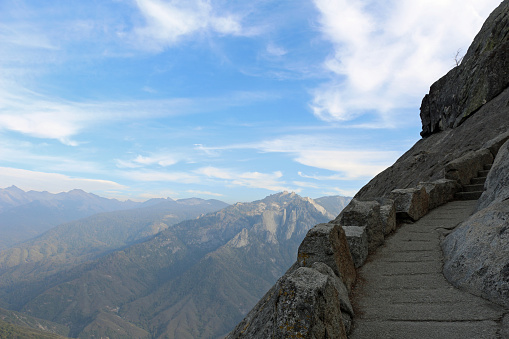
79,192
14,189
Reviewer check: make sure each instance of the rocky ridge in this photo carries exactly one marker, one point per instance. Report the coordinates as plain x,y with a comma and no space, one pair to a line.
465,121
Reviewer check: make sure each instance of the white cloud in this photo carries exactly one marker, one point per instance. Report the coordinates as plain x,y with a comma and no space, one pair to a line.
342,192
163,160
387,57
46,117
169,21
306,184
269,181
52,182
205,193
25,36
322,152
355,164
275,50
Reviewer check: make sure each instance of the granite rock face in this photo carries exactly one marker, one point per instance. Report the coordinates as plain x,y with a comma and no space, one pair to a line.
482,75
302,304
326,243
497,182
477,254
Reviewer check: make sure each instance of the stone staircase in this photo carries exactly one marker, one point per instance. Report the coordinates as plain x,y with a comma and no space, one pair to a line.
474,190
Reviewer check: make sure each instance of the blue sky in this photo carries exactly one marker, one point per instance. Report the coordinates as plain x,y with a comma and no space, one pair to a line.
233,100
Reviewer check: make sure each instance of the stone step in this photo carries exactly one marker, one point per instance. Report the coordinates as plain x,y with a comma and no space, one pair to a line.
487,167
478,181
473,188
483,173
467,195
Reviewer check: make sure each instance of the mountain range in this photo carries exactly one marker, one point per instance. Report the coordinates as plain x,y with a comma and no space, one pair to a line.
24,215
139,273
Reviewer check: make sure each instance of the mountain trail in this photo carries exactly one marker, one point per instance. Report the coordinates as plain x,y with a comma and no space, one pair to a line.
402,292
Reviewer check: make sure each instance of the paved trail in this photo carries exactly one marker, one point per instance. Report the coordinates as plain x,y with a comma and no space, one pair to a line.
403,294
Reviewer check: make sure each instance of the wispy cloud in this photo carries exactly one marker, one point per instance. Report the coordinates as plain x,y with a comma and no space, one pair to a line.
41,116
270,181
205,193
25,36
351,163
274,50
163,160
386,58
169,21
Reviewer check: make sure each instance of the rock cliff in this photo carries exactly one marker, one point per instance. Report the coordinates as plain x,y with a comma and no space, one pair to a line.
482,75
465,121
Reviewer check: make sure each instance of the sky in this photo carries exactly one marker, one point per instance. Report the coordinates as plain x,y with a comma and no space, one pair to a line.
230,100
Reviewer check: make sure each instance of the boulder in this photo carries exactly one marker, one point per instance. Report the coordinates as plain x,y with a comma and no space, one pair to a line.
440,191
482,75
364,213
388,215
358,243
497,182
410,203
346,307
302,304
476,254
466,167
326,243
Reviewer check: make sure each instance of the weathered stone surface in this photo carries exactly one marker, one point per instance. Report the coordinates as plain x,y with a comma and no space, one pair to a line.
494,144
347,312
482,75
410,203
302,304
440,191
504,332
388,215
326,243
497,182
358,243
466,167
477,254
364,213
